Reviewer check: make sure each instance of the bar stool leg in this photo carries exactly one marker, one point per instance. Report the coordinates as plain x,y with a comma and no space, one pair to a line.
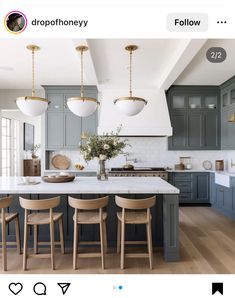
26,228
118,236
150,247
17,231
61,235
4,249
75,245
52,235
102,244
35,238
122,244
105,237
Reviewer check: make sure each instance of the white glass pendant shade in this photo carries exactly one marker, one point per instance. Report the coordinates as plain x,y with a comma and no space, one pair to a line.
82,106
32,106
130,106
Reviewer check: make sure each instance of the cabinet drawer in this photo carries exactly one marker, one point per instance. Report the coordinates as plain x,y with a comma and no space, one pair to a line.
184,186
185,197
183,176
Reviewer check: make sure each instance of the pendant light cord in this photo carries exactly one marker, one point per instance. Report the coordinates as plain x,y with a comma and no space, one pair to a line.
82,89
130,67
33,74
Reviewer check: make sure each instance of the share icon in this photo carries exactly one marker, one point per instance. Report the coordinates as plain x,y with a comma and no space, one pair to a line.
64,286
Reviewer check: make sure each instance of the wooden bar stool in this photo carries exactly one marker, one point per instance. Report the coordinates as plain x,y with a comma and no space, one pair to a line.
136,217
41,218
89,212
6,218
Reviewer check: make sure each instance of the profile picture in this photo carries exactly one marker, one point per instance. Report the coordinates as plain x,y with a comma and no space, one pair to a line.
15,22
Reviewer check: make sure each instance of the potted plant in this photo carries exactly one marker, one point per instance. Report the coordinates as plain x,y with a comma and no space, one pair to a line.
34,150
103,148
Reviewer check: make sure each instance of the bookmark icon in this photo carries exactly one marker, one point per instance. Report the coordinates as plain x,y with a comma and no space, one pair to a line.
64,286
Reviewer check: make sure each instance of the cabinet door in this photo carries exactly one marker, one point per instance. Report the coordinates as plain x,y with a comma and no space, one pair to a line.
211,130
72,130
56,102
224,198
201,187
195,130
227,130
89,124
179,138
54,130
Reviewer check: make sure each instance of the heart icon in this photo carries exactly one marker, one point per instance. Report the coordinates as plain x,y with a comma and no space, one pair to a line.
15,288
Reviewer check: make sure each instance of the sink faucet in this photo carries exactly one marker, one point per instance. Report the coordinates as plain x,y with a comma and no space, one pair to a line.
134,160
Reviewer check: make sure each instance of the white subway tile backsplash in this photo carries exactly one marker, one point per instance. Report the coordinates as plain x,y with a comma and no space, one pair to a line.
152,151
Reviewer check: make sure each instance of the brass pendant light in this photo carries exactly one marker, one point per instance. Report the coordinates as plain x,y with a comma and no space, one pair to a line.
130,105
81,105
32,105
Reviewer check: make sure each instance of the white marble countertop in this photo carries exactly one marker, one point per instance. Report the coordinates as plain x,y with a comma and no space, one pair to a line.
82,185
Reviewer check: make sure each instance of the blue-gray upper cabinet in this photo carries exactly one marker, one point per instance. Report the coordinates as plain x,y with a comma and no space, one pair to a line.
72,130
54,130
195,117
63,129
227,110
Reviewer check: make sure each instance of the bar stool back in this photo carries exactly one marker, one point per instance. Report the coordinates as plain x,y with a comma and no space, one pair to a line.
6,218
93,214
138,217
42,218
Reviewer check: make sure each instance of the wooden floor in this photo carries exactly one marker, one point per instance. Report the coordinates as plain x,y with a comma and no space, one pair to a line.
207,245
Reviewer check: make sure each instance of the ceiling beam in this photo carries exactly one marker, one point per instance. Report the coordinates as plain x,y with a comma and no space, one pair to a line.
185,52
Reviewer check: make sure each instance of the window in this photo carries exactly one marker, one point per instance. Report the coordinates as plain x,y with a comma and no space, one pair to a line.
10,147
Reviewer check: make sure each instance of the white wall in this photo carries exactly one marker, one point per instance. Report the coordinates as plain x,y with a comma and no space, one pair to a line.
8,108
152,151
36,121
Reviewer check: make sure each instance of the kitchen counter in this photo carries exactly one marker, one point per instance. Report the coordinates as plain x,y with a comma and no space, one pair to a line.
203,170
165,214
82,185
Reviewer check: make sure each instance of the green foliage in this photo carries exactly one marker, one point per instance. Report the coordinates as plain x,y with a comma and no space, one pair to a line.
103,147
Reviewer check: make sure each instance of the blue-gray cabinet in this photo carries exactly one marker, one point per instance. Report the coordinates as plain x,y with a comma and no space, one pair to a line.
223,198
195,117
194,186
63,129
227,110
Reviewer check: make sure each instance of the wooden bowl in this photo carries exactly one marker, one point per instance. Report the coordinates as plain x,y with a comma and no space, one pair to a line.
58,179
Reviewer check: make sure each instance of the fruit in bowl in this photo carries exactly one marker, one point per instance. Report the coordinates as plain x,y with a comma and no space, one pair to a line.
79,166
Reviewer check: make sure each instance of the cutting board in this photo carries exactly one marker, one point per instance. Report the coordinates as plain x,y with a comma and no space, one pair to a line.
61,162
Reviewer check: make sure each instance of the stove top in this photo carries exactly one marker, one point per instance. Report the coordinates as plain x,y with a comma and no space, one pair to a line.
139,169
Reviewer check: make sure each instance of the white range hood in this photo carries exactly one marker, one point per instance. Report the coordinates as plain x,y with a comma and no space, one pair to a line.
154,120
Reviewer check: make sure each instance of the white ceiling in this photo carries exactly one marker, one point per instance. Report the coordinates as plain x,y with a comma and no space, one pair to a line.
107,63
201,72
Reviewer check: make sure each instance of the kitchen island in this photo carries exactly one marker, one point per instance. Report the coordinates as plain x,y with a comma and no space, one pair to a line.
165,213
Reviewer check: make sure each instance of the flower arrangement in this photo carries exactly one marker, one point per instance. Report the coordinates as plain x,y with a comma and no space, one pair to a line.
103,147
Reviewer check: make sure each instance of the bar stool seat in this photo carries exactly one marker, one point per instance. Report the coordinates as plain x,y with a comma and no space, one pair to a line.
134,217
36,219
9,217
5,219
43,218
89,211
134,211
90,217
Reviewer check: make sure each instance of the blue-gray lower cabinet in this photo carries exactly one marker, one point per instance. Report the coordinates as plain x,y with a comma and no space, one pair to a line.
223,198
194,186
